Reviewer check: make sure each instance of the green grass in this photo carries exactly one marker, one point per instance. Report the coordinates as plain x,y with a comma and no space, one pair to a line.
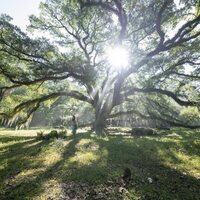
89,167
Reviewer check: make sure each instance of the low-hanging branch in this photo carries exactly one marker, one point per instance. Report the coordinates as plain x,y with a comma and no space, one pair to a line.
152,116
73,94
33,104
160,109
31,82
28,114
170,94
19,83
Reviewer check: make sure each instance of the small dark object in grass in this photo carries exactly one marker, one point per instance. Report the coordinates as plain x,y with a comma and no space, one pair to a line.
62,133
53,134
127,175
142,131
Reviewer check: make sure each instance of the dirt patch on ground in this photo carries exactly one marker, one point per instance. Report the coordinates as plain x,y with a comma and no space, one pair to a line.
80,191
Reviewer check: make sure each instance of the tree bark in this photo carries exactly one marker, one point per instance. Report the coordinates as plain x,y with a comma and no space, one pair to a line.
100,123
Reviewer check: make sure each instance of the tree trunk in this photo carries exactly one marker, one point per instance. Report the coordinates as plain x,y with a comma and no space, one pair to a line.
103,106
100,125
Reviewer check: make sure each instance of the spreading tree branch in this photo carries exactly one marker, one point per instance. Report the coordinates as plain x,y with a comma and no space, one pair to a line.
152,116
160,91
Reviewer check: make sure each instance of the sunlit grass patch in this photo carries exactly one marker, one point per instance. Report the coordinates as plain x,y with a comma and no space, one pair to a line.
38,169
27,133
50,160
83,158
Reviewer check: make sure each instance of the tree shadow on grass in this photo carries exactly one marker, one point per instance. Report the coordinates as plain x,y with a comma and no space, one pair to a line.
188,140
23,159
5,138
109,157
17,158
63,171
143,156
145,159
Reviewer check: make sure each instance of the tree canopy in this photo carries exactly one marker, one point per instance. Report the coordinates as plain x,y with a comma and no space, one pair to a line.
160,81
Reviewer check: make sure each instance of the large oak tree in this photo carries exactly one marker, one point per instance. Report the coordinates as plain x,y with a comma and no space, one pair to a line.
162,40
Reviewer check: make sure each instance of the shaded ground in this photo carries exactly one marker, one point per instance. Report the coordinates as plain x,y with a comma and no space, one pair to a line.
166,166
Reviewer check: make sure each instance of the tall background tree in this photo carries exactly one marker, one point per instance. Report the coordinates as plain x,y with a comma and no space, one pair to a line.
160,80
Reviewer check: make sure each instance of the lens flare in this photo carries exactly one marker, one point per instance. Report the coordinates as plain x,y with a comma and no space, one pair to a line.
117,57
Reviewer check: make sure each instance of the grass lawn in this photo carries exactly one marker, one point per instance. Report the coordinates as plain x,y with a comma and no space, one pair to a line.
166,166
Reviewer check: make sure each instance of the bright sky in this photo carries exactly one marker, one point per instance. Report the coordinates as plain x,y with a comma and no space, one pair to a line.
20,10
